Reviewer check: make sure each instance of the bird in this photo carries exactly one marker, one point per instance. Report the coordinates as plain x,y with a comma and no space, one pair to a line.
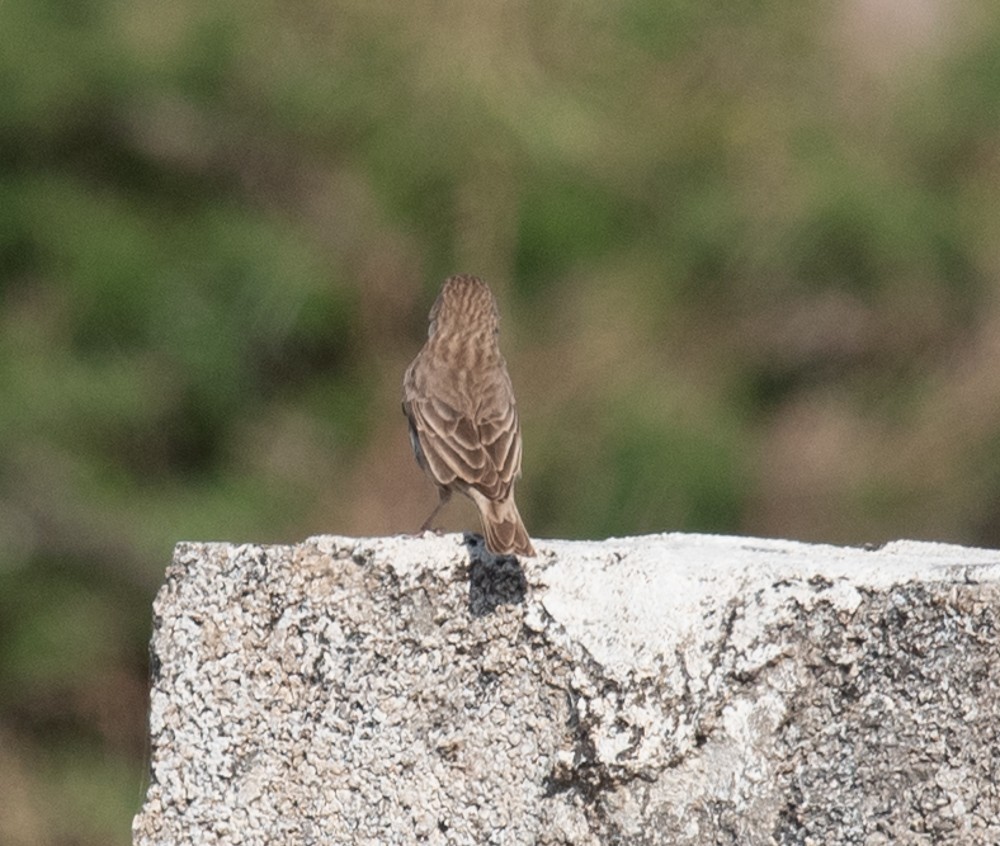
462,416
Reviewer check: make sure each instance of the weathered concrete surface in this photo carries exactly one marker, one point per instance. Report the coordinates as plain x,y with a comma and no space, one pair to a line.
673,689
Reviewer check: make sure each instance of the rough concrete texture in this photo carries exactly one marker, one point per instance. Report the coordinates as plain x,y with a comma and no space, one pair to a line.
673,689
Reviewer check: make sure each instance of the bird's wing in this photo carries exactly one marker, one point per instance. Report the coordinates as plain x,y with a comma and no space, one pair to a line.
484,454
448,439
500,435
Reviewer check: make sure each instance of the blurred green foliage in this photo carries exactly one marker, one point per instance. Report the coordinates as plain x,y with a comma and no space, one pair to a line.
746,258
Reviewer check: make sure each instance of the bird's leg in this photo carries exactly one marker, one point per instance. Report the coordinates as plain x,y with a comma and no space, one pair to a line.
445,495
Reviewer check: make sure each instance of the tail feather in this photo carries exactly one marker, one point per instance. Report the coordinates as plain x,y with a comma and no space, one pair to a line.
505,533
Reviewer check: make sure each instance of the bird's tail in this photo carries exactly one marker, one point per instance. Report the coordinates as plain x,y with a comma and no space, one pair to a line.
505,533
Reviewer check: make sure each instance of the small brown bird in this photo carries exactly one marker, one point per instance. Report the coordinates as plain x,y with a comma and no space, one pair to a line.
460,406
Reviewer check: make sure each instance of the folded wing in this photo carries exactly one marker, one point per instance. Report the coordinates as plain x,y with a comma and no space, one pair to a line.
481,450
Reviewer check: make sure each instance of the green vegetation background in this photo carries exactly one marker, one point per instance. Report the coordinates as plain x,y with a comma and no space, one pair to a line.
747,257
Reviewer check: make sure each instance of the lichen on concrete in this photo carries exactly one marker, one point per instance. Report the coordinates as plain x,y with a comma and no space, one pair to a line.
671,689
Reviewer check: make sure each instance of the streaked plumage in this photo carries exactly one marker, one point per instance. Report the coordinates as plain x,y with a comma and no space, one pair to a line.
462,415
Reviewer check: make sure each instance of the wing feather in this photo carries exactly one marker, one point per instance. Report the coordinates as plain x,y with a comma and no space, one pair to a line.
484,455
